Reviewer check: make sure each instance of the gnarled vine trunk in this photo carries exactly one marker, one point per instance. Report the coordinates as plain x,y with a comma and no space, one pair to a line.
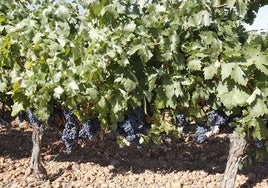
36,166
237,148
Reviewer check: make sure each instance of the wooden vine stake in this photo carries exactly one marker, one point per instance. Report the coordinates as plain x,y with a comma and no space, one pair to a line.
36,166
236,152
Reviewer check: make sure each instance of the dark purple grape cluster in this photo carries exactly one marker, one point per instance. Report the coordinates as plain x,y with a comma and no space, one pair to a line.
70,131
34,121
3,122
258,143
201,131
133,126
181,120
216,119
266,123
90,129
20,117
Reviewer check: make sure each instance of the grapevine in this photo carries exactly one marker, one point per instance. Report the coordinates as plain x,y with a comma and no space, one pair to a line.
117,59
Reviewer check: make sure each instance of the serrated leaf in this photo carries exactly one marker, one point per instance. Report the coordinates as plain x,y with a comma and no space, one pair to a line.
215,3
171,102
62,41
253,96
134,49
16,108
170,91
92,92
226,70
62,12
151,81
231,97
117,104
58,92
261,62
72,86
205,16
259,108
255,57
160,8
102,103
260,131
147,52
238,76
230,3
3,86
195,64
142,3
241,6
42,113
130,27
178,90
194,20
129,84
209,72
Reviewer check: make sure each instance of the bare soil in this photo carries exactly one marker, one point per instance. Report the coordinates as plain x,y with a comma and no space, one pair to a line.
102,163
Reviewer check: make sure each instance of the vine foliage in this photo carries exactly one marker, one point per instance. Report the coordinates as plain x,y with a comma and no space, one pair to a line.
104,58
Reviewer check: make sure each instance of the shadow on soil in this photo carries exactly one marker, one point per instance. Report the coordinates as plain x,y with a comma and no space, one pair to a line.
15,144
171,156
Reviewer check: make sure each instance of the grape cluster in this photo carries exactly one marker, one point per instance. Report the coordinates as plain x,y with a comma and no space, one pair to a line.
181,121
266,123
201,131
133,125
90,128
70,131
21,116
258,143
3,122
216,119
34,121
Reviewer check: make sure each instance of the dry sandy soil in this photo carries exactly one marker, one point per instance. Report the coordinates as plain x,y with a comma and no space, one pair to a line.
103,164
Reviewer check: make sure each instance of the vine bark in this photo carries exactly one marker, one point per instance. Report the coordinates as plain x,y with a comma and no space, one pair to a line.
236,152
36,165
